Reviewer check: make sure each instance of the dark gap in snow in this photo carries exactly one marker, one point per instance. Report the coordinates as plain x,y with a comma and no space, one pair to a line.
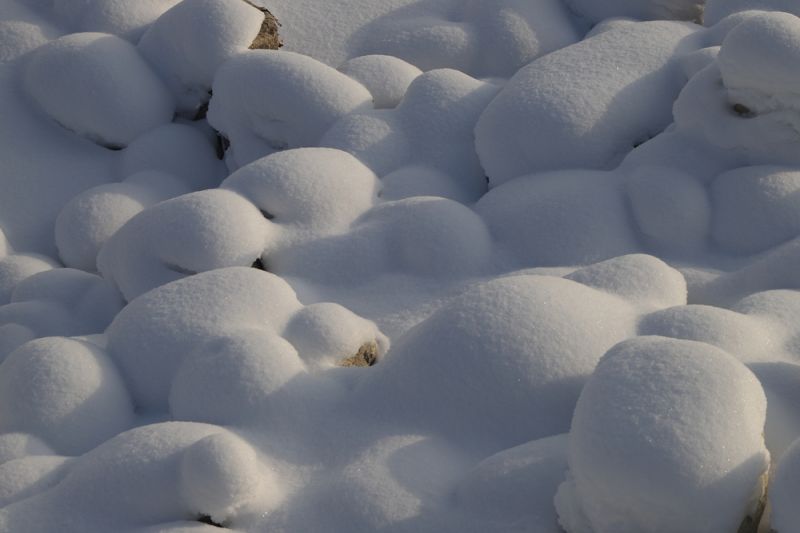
206,519
259,264
267,214
180,270
742,110
222,145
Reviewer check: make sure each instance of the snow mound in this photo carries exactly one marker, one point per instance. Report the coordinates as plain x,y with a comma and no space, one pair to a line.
98,86
481,38
784,490
717,10
417,180
18,37
191,233
175,149
641,279
188,43
502,363
21,445
586,105
386,77
570,217
15,268
58,302
119,17
92,217
638,9
667,434
231,378
22,478
65,391
517,486
158,330
265,101
747,338
671,208
317,190
432,126
755,208
326,334
218,478
747,100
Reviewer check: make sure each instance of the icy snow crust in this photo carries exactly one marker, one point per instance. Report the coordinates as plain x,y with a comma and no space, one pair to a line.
436,266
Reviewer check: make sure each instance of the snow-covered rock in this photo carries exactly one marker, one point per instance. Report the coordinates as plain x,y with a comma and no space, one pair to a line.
667,436
502,363
570,217
586,105
717,10
479,37
92,217
66,391
21,445
25,477
15,268
119,17
185,235
188,43
386,77
98,86
265,101
432,126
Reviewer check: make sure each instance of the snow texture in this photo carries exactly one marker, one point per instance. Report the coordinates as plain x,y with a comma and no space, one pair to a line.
666,434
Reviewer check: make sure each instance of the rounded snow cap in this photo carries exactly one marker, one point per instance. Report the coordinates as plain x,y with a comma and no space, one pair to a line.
667,435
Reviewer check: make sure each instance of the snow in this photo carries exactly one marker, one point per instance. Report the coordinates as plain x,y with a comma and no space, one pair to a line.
188,43
125,19
552,116
437,265
127,98
265,101
569,217
638,9
783,492
386,77
667,434
65,391
478,37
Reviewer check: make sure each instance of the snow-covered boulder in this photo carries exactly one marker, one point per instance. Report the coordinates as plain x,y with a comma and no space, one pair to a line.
175,149
432,126
98,86
386,77
18,37
747,100
502,363
25,477
755,208
570,217
188,43
479,37
316,190
784,489
230,378
20,445
671,208
586,105
185,235
265,101
92,217
15,268
157,331
58,302
667,436
66,391
717,10
119,17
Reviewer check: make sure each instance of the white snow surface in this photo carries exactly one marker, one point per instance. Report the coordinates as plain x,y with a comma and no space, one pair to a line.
475,266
